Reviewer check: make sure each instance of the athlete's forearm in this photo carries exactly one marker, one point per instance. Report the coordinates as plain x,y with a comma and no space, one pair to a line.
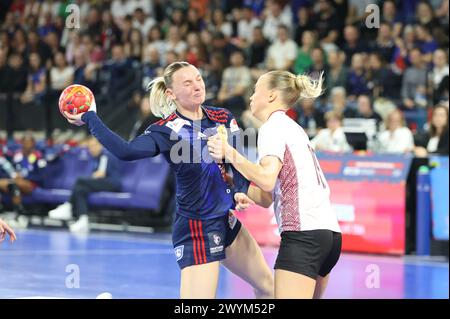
141,147
259,175
259,196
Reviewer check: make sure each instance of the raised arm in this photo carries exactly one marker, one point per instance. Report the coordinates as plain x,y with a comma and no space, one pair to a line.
141,147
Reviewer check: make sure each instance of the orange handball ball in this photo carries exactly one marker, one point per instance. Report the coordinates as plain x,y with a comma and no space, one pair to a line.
76,99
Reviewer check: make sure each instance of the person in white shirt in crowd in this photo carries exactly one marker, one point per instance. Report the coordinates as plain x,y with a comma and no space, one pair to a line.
396,138
282,53
174,42
332,138
61,74
289,175
142,22
246,25
236,81
438,73
219,24
276,15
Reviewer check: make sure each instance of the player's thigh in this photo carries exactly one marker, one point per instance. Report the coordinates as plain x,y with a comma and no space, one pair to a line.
291,285
199,281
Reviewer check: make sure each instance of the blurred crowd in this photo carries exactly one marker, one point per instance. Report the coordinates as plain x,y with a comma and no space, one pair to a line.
395,74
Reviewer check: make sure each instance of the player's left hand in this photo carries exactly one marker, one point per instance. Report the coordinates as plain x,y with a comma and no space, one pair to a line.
74,118
242,201
217,147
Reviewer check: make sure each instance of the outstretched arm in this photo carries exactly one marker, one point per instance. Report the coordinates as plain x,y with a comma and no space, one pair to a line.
141,147
6,230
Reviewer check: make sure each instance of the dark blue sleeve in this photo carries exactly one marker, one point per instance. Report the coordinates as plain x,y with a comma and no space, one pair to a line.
146,145
241,184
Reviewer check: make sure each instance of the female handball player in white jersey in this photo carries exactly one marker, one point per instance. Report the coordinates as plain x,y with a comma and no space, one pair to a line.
289,174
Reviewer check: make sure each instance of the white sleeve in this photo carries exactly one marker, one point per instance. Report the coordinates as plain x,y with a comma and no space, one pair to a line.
271,142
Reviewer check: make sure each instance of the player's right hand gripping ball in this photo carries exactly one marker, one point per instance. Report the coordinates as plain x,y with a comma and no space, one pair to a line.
76,99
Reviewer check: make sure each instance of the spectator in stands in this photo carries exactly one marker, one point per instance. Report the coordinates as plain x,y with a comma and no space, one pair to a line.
310,118
427,43
220,44
338,102
155,40
304,24
283,51
326,23
384,44
134,46
276,16
304,60
357,78
258,49
392,18
25,173
319,61
194,22
219,24
396,138
365,110
144,119
414,82
382,80
425,15
196,53
353,43
13,74
175,42
111,33
35,44
212,75
37,81
439,76
246,25
104,178
150,66
61,74
121,75
236,82
19,43
142,22
435,139
332,138
337,73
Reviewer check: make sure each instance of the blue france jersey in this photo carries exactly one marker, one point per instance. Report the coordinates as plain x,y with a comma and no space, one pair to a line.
204,189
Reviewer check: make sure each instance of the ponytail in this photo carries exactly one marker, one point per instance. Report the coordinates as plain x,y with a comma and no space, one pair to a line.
160,104
308,87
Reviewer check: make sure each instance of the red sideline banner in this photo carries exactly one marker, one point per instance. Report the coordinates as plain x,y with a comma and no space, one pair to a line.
368,195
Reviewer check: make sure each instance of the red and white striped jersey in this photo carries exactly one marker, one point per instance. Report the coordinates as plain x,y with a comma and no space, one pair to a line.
301,194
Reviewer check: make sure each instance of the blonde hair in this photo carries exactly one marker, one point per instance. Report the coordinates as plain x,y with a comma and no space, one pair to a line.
294,87
160,104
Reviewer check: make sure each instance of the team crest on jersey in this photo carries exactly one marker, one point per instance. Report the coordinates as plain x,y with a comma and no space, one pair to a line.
177,124
215,243
234,126
179,252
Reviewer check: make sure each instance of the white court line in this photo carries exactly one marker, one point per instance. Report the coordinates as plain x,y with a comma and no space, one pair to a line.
112,237
102,252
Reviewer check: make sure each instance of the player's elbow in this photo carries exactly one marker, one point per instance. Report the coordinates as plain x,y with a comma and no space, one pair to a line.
267,185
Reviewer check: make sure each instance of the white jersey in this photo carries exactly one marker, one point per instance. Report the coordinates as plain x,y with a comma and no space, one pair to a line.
301,194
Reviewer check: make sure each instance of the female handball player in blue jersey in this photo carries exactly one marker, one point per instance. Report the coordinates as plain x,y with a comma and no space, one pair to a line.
288,169
205,232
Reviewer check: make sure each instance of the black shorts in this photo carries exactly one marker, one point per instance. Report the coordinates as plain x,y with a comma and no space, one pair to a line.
198,242
311,253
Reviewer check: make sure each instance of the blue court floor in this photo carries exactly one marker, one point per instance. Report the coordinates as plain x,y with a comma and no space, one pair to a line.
56,264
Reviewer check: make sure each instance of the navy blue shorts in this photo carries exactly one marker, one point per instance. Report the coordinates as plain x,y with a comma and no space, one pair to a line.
198,241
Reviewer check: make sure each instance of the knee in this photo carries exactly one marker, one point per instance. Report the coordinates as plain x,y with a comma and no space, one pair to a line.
266,288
